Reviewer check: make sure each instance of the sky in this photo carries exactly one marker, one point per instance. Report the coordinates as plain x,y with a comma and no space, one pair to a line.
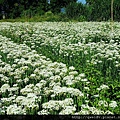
82,1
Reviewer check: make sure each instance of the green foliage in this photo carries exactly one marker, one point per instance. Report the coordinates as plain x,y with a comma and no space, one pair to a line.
98,75
49,13
81,18
56,5
48,16
101,10
78,11
91,11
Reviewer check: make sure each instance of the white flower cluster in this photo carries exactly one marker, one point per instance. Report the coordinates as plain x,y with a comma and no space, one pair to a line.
27,75
68,110
102,87
113,104
62,90
4,87
74,78
32,90
15,110
86,110
103,103
64,105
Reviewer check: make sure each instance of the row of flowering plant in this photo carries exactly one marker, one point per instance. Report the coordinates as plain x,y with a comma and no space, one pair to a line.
71,68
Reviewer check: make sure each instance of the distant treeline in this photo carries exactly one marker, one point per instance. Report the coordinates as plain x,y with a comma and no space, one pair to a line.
93,10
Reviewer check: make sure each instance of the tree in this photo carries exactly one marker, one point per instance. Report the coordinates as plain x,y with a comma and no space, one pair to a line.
3,7
56,5
14,8
101,9
112,15
75,10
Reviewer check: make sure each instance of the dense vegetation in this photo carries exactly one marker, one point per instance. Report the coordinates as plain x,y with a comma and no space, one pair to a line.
59,68
42,10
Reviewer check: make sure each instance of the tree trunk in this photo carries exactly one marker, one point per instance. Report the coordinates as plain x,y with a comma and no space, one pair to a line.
112,15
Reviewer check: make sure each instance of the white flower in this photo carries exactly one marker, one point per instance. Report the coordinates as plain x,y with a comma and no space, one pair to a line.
69,82
87,88
85,52
84,80
82,75
31,95
20,99
95,111
71,68
32,106
32,76
5,87
103,87
56,89
53,95
77,78
68,101
113,104
26,80
98,89
15,110
103,102
15,85
69,77
13,89
68,110
43,112
52,104
87,82
84,112
73,73
77,92
108,112
96,95
25,91
83,106
38,85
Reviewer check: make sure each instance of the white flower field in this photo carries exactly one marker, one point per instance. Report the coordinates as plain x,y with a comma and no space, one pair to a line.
59,68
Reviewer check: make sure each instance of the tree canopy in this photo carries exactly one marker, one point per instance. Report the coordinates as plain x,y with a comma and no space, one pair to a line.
92,11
